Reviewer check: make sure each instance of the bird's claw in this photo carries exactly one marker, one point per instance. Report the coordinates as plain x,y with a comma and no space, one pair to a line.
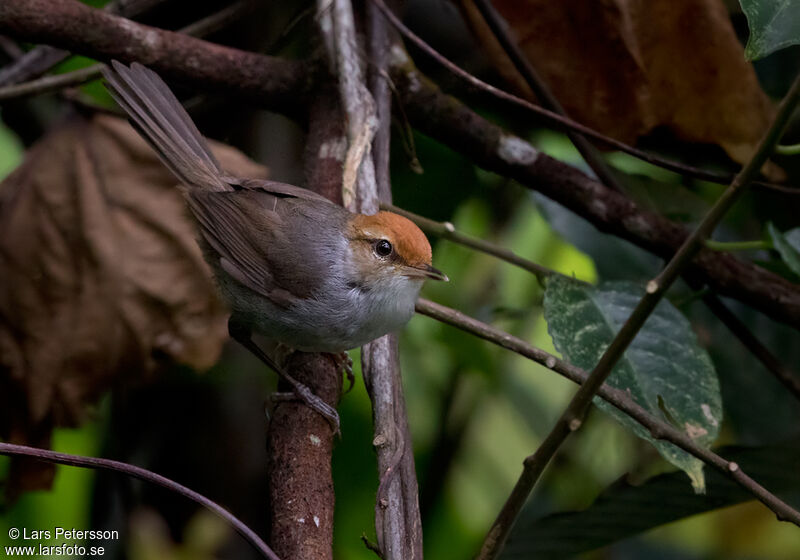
316,403
344,362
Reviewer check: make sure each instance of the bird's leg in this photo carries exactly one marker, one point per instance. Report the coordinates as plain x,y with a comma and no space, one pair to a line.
344,363
241,334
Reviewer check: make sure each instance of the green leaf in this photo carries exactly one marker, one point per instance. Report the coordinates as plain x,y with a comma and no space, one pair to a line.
665,370
788,245
774,24
623,510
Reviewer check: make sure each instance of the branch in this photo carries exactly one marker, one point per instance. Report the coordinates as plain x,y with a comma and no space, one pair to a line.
300,446
447,230
487,145
397,519
202,27
302,499
560,122
572,417
780,371
51,83
339,30
142,474
272,82
42,58
619,399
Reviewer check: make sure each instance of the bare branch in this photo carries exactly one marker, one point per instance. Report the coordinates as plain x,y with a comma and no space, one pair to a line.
448,231
397,520
142,474
202,27
299,446
338,27
42,58
780,371
271,82
619,399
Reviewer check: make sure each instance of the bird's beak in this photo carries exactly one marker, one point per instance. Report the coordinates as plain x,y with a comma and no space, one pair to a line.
427,271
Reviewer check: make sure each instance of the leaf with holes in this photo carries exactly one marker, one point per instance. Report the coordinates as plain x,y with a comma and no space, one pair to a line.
788,246
774,24
664,369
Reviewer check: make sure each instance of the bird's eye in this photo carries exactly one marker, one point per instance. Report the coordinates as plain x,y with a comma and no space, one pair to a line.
383,248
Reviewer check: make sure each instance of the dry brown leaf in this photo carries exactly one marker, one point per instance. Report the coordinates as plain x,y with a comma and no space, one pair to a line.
626,67
102,279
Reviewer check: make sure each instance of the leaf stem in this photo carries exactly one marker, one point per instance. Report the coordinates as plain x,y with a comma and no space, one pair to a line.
787,150
754,245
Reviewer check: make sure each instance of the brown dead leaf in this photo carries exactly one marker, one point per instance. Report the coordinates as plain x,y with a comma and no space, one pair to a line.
102,279
626,67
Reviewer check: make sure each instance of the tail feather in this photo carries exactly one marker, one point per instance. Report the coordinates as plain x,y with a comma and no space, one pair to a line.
163,122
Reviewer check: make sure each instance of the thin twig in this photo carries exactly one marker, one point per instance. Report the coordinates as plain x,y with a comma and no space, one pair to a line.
398,524
788,150
55,82
589,153
780,371
564,123
271,82
572,417
619,399
448,231
199,28
142,474
43,58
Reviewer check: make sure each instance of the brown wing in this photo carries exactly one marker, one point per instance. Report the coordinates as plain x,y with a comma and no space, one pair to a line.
249,230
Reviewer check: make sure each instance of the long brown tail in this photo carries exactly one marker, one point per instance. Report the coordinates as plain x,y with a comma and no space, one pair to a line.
161,120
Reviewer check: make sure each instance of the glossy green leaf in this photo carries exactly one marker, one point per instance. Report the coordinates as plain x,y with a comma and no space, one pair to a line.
788,245
665,370
623,510
774,24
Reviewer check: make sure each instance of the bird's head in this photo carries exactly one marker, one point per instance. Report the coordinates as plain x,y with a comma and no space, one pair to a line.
387,246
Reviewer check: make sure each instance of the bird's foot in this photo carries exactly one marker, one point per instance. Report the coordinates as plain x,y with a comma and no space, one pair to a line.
243,336
303,393
344,363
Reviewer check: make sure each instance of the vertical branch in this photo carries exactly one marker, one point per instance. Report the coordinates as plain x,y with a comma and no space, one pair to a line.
338,28
398,525
300,441
397,517
300,445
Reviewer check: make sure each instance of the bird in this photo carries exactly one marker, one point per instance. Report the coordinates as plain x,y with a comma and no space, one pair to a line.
292,266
